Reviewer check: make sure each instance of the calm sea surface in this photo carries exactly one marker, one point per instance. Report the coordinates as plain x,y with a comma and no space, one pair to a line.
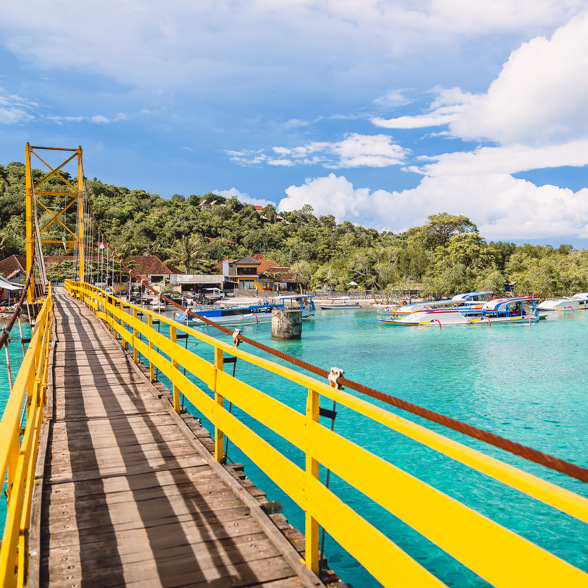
528,383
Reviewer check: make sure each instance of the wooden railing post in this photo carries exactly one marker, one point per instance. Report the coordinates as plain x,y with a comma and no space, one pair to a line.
218,434
173,335
312,471
151,367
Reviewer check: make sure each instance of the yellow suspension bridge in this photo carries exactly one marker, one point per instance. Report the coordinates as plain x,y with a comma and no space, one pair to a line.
110,482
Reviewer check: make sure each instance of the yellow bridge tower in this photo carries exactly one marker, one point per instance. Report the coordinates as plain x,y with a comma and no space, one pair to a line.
44,193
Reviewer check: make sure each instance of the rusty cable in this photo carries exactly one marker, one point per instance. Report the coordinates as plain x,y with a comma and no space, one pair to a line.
528,453
6,331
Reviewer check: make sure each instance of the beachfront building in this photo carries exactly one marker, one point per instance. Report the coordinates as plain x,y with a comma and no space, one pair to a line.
245,270
202,282
281,279
13,268
259,274
9,292
149,268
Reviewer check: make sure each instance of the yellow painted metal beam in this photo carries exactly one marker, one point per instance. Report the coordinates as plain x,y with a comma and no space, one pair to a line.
18,458
491,551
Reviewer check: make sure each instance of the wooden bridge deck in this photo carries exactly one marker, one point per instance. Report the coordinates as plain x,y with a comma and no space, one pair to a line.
130,496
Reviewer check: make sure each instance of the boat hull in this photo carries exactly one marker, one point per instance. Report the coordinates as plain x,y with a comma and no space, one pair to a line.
563,305
446,318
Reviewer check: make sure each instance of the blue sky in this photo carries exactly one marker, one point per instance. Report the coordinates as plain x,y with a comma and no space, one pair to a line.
379,112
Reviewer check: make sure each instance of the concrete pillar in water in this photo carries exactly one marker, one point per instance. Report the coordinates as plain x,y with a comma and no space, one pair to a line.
286,324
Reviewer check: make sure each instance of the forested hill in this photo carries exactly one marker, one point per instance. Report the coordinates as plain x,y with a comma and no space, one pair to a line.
446,255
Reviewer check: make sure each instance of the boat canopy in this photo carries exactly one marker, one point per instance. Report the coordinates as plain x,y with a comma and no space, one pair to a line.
501,303
481,296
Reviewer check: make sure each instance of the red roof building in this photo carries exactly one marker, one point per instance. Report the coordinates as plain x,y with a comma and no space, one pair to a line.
13,267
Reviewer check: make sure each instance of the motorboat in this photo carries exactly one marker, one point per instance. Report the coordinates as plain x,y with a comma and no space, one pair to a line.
575,302
512,310
467,299
336,303
157,303
251,313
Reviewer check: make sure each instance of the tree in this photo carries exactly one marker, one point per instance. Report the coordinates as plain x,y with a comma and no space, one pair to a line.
270,213
441,227
189,254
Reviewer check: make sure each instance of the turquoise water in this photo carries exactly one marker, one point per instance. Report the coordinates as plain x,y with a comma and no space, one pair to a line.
16,357
528,383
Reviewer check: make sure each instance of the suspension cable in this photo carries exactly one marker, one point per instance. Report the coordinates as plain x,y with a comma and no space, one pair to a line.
528,453
19,305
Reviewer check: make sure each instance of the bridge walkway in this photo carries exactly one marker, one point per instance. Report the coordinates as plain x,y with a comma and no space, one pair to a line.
129,498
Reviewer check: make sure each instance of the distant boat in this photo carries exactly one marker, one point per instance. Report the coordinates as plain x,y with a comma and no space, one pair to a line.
516,310
251,313
336,303
157,304
576,302
468,299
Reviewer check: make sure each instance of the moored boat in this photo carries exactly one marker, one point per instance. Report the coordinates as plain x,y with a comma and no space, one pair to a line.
467,299
576,302
335,303
514,310
252,313
157,304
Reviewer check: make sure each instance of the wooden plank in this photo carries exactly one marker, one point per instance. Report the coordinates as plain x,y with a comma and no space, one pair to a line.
194,476
160,513
239,549
127,499
60,474
186,572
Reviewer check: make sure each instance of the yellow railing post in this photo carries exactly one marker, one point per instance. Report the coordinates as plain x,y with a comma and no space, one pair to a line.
151,366
135,352
312,471
122,324
459,530
173,335
114,331
218,434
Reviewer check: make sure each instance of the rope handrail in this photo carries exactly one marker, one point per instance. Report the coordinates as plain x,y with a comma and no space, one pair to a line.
518,449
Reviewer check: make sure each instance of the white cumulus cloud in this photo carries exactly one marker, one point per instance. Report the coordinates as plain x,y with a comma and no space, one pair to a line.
504,208
353,151
539,97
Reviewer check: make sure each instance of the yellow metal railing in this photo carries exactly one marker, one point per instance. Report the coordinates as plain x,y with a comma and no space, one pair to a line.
18,447
493,552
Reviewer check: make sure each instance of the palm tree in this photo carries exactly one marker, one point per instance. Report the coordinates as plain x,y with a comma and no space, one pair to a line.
189,254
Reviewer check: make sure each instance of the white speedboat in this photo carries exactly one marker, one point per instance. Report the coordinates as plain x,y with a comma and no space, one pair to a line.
575,302
516,310
157,304
336,303
467,300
